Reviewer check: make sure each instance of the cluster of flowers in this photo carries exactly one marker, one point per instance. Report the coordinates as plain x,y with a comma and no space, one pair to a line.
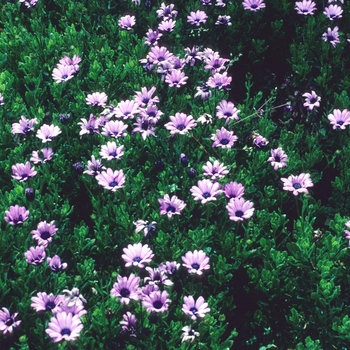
66,69
153,295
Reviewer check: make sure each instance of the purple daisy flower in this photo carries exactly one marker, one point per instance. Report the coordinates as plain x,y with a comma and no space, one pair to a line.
227,110
16,215
94,167
152,113
148,289
35,256
239,209
56,264
75,309
47,155
111,151
191,55
180,124
145,97
48,132
44,233
137,255
332,36
158,277
46,302
127,109
170,267
73,62
233,190
297,183
196,262
23,172
159,54
167,25
206,191
223,138
203,92
166,11
311,100
339,119
253,5
215,63
215,170
278,158
194,308
127,22
152,37
24,126
305,7
64,327
111,180
126,288
7,321
176,78
144,126
171,206
129,324
90,126
63,73
259,141
223,21
197,17
156,301
219,81
333,11
115,129
96,99
147,228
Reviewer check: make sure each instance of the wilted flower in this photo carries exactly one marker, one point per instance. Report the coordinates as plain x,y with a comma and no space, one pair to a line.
194,308
137,255
94,167
48,132
239,209
7,321
170,267
156,301
127,22
171,206
44,233
23,172
35,256
157,276
188,334
16,215
223,21
129,324
297,183
55,264
196,262
205,119
96,99
166,11
144,126
74,297
126,288
278,158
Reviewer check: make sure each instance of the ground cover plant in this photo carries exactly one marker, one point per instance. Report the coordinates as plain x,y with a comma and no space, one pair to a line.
174,175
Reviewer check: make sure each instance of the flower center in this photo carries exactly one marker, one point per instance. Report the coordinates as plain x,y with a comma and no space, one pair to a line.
193,310
125,292
297,186
157,304
239,213
277,159
45,235
181,127
224,141
195,266
171,208
137,259
9,322
65,331
340,122
64,76
206,195
113,184
50,305
253,6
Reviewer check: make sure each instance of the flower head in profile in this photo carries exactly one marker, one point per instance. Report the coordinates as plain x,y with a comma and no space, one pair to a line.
219,81
206,191
126,288
16,215
7,321
44,233
196,18
195,308
147,228
64,327
74,297
96,99
48,132
233,190
181,124
297,183
253,5
90,126
203,92
127,109
227,110
156,301
167,25
223,138
333,12
111,180
339,119
157,276
63,73
137,255
35,256
111,151
332,36
152,37
24,126
215,170
56,264
189,334
23,172
115,129
239,209
196,262
74,309
47,155
305,7
46,302
278,158
176,78
311,100
129,324
73,62
127,22
171,206
95,167
166,11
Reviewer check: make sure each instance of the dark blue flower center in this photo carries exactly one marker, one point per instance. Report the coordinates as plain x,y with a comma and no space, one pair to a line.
157,304
206,195
113,184
171,208
50,305
125,292
195,266
144,125
45,235
239,213
193,310
340,122
65,331
224,141
137,259
64,76
277,159
296,186
9,322
253,6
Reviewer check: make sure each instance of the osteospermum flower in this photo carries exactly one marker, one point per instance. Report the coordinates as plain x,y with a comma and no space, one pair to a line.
16,215
203,92
157,276
170,267
95,167
96,99
35,256
278,158
206,191
156,301
73,62
127,109
137,255
215,63
7,321
297,183
167,25
23,172
47,155
311,100
44,233
233,190
147,228
171,206
305,7
239,209
127,22
64,327
145,97
75,309
166,11
152,37
90,126
74,297
176,78
197,17
144,126
111,180
189,334
223,21
196,262
223,138
46,302
253,5
63,73
194,308
180,124
126,288
111,151
24,126
215,170
339,119
332,36
219,81
56,264
159,54
333,11
48,132
129,324
227,110
115,129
